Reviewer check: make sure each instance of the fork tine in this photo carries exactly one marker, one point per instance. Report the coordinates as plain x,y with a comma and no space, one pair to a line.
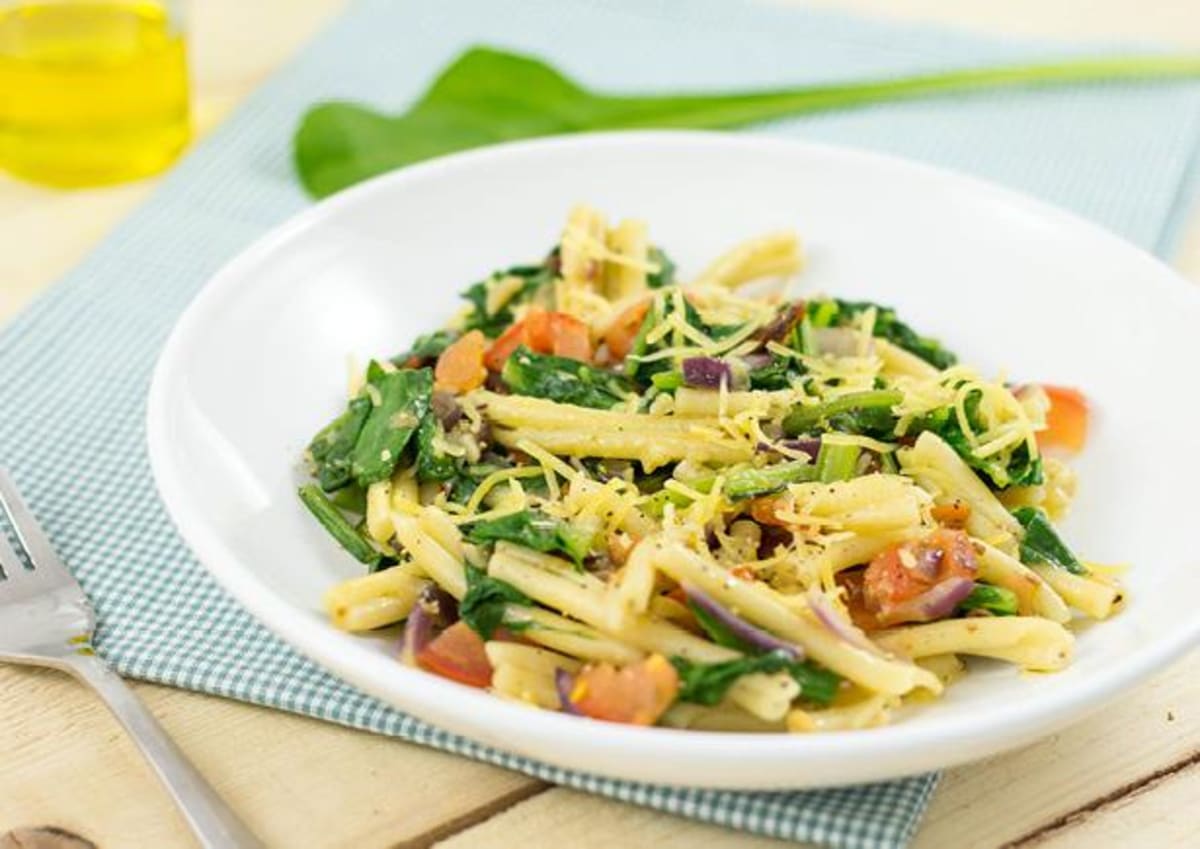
29,532
10,564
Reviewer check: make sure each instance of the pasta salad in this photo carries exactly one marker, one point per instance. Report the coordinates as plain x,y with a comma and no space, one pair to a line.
704,504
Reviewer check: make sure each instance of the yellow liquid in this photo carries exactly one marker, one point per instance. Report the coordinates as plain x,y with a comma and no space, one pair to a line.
90,93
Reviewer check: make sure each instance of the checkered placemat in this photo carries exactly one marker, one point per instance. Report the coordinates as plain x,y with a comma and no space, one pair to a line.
74,367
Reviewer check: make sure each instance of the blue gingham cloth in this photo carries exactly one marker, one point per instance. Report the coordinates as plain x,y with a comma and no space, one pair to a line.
74,367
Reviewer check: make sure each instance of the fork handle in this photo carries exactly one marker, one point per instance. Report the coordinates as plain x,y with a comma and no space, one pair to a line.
214,823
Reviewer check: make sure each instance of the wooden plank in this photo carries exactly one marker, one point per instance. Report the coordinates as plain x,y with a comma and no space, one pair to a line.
562,817
298,782
1157,814
1153,728
1170,22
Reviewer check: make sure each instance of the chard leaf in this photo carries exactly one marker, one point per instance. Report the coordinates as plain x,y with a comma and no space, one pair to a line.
488,95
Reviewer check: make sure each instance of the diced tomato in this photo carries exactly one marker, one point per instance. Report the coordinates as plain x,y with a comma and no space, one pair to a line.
903,572
503,347
539,335
545,333
620,335
570,337
743,571
1066,420
953,515
457,653
636,694
460,367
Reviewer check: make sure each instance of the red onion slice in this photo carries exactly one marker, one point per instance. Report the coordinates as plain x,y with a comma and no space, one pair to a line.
740,628
564,683
937,602
706,372
434,611
836,624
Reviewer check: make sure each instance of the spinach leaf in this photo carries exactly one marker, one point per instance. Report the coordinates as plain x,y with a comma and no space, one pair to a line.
563,380
1042,544
891,328
432,464
999,601
332,449
403,399
351,498
482,608
338,526
777,374
817,684
707,683
665,276
718,631
467,479
1015,468
488,95
535,530
533,277
425,348
660,310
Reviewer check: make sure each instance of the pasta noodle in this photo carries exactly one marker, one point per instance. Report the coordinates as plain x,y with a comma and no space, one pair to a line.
1028,641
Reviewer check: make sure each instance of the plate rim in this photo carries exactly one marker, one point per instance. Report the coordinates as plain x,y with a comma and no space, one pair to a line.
956,741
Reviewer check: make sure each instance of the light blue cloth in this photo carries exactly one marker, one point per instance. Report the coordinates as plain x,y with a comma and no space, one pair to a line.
74,367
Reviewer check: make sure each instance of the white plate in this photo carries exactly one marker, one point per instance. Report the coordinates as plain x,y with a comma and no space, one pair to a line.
258,363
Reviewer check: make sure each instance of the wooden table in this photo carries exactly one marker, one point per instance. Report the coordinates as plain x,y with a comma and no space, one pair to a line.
1129,775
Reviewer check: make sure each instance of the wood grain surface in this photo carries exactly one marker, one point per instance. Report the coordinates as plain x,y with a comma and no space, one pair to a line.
1127,776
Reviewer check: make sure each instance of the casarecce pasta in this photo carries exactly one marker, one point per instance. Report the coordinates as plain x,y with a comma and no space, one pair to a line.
707,505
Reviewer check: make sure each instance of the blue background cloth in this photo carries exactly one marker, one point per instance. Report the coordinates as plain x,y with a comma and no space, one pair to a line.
74,368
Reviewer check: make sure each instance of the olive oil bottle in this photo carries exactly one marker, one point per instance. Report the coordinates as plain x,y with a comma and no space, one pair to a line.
90,92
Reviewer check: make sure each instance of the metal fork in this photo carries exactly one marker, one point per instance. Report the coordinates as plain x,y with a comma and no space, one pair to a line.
46,620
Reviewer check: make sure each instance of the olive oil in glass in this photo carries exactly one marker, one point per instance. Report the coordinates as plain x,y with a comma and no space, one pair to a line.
90,92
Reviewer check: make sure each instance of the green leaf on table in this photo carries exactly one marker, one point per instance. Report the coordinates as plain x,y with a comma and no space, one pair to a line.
488,95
